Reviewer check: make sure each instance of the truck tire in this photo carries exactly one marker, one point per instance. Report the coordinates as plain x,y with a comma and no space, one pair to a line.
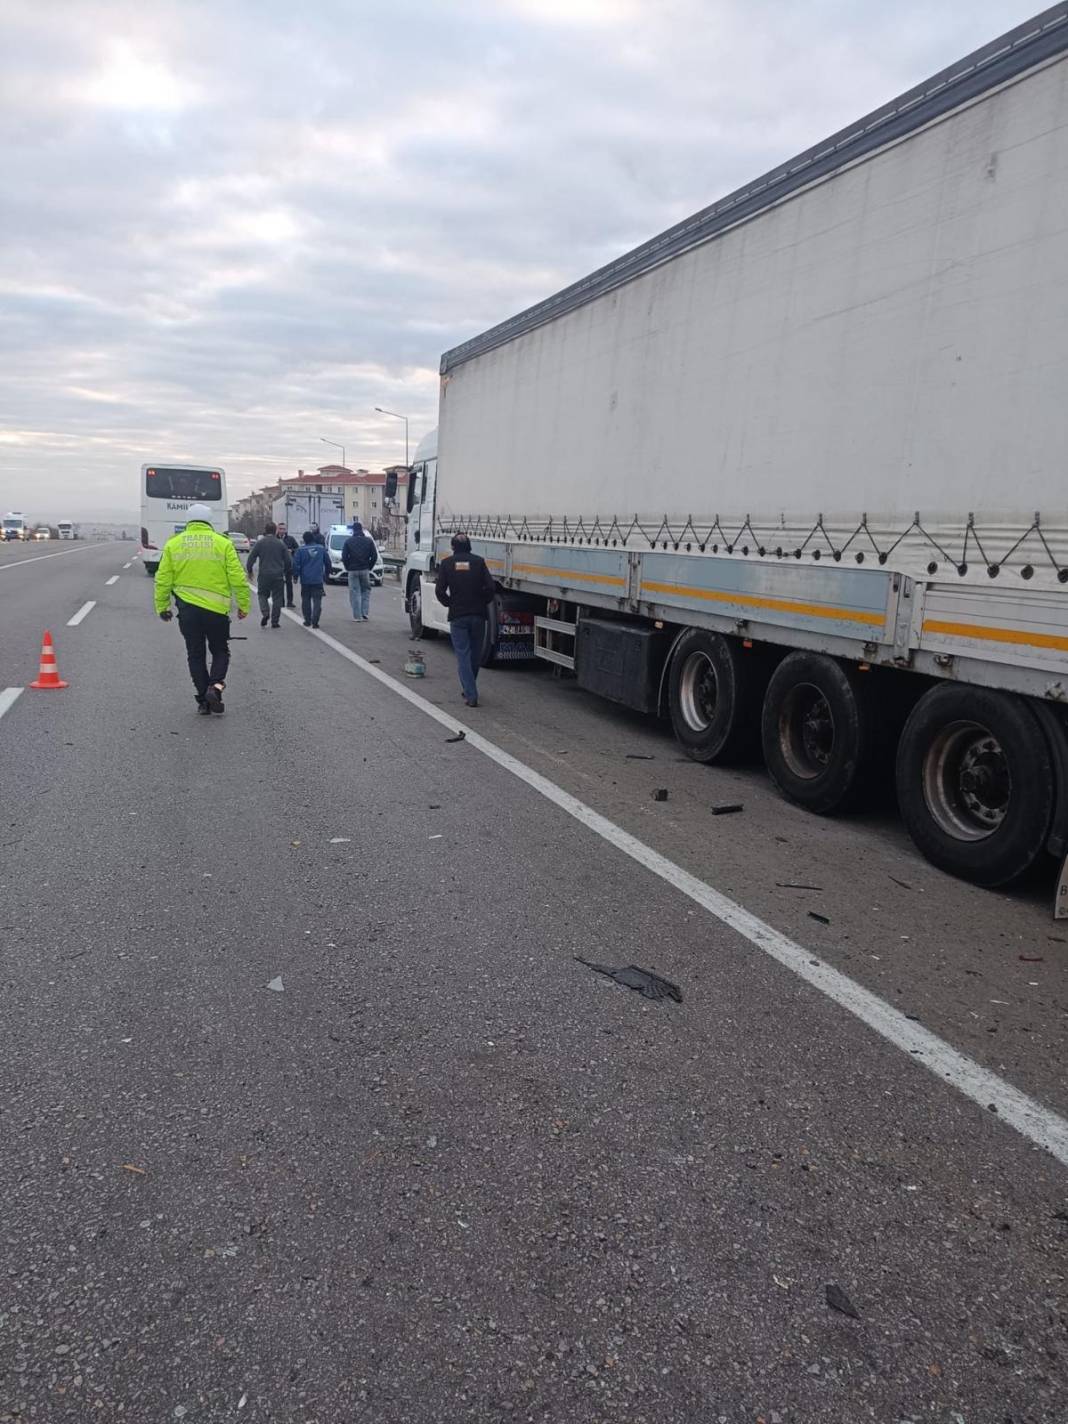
713,698
975,783
415,611
150,570
817,732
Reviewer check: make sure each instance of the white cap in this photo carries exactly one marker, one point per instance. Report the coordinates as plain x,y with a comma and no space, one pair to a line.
199,512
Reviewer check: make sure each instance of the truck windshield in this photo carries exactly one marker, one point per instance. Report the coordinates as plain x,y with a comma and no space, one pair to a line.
169,483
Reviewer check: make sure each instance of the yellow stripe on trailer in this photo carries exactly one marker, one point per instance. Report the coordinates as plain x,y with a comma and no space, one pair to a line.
613,580
775,605
1021,637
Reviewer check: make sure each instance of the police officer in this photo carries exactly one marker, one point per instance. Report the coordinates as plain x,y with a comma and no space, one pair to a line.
200,570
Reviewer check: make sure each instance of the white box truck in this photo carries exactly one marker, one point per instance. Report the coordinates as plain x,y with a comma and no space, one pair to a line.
793,472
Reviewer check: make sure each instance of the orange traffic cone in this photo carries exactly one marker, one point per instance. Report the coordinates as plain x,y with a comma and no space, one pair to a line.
49,673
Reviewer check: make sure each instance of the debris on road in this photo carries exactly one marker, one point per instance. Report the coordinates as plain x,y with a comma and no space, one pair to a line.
129,1167
639,756
277,985
415,666
650,985
1032,959
903,883
796,885
458,737
294,843
660,794
814,915
340,840
435,837
838,1300
727,808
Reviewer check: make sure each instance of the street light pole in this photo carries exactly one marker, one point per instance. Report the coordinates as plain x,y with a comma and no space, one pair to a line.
336,447
382,411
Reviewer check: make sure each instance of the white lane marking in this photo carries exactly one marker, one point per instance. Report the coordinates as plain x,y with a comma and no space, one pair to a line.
126,566
7,698
113,579
1039,1124
81,613
38,557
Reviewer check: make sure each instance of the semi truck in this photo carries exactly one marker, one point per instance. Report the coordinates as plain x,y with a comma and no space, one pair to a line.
791,474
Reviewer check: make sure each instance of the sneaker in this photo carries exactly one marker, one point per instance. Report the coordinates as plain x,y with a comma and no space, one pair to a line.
471,701
213,699
265,620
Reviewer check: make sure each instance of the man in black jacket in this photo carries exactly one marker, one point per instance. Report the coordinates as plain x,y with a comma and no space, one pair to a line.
275,562
359,554
465,586
291,544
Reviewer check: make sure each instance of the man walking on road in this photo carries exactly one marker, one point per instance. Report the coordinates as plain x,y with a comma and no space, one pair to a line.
359,554
465,586
310,567
275,563
291,544
200,570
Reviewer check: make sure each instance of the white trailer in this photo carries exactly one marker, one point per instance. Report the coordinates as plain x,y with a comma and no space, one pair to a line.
791,472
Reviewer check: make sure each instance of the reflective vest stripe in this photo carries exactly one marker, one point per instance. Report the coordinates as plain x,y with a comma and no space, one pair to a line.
217,600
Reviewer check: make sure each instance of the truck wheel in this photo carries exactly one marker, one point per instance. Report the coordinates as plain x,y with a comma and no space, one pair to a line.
975,783
415,611
816,731
713,698
150,570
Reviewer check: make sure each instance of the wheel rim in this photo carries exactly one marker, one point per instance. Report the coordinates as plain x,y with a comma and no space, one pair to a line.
966,781
806,731
698,692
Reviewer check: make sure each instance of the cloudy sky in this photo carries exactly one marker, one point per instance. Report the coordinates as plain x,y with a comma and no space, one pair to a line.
233,227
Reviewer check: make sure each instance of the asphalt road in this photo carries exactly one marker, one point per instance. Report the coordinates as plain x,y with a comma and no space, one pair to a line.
448,1172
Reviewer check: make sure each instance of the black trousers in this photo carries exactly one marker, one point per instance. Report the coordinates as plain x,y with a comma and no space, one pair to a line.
311,601
204,632
271,593
289,590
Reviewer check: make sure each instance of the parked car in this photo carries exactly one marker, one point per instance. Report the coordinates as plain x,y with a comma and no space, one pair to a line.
241,542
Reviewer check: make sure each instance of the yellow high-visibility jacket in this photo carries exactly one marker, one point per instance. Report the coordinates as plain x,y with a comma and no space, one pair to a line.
201,567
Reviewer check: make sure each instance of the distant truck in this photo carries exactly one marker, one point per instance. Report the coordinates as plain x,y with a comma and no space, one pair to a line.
67,529
300,511
792,473
15,526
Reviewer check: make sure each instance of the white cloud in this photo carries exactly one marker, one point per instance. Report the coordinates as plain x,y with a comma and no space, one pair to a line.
134,82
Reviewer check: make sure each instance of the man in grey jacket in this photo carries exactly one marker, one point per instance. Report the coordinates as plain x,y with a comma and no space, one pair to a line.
276,562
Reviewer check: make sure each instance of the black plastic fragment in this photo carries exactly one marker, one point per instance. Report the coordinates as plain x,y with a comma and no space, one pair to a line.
649,985
660,794
838,1300
822,918
458,737
639,756
727,808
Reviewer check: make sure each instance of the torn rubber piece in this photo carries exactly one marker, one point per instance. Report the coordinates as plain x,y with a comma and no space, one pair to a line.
649,985
660,794
727,808
838,1300
815,915
458,737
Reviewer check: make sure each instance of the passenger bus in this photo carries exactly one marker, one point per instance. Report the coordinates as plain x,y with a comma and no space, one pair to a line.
167,491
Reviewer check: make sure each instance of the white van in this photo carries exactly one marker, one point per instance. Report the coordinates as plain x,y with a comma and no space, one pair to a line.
167,491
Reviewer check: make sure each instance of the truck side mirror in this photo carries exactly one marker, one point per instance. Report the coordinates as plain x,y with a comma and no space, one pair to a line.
391,484
413,478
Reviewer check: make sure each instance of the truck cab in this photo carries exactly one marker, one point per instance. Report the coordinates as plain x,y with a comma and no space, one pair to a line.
424,612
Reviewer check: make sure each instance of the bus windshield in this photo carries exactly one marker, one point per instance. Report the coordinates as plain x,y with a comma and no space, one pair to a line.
170,483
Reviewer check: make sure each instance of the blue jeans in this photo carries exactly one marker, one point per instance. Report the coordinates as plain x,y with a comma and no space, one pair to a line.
468,634
360,592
